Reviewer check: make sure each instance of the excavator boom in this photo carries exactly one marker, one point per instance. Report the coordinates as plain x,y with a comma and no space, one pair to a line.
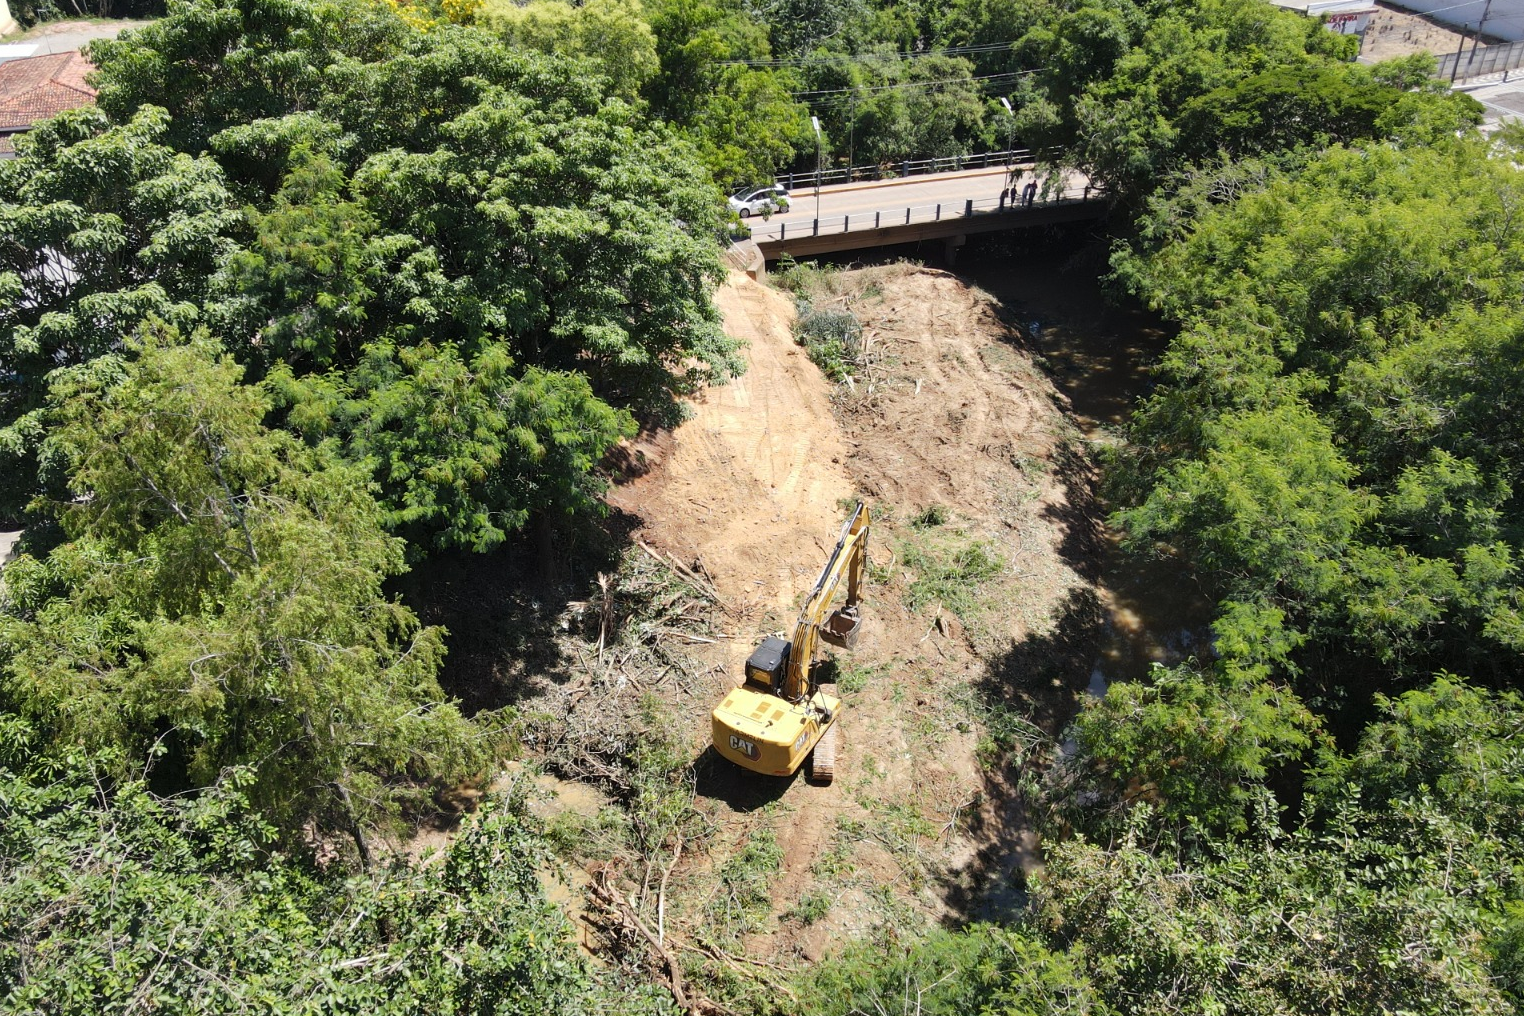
846,560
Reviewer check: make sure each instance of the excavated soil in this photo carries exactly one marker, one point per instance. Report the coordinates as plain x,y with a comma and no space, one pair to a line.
749,484
954,438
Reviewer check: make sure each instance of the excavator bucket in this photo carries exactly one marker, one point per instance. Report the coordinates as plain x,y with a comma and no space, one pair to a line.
843,627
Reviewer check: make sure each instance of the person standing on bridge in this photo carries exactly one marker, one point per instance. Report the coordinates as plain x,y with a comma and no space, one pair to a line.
1013,183
1029,193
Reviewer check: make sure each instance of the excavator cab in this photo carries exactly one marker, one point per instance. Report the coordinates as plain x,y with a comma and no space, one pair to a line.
765,665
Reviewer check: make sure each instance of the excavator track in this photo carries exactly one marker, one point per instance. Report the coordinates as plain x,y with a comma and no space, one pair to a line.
823,758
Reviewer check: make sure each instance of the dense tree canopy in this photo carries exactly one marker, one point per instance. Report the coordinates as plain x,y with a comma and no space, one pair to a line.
1198,750
1309,819
614,34
1132,94
386,215
1397,889
114,900
217,596
1335,436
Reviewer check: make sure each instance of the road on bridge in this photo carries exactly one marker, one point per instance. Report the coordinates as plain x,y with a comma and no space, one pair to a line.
892,198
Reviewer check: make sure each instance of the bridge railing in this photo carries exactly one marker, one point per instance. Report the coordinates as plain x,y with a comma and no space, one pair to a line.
904,168
784,227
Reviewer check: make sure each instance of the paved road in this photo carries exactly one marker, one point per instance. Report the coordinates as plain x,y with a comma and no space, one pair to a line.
919,194
8,538
1501,95
62,36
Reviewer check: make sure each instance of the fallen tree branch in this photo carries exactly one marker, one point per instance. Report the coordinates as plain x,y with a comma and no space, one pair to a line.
734,962
693,578
661,894
613,903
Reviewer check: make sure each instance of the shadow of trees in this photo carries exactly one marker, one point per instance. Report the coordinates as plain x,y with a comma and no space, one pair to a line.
503,609
1029,693
1043,677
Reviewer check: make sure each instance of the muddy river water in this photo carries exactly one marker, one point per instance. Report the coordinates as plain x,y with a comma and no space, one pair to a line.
1099,351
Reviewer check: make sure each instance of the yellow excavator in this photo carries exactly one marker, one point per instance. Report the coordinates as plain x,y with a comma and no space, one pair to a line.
781,715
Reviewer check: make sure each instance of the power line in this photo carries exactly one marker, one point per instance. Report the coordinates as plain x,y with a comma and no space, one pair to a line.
910,84
804,61
1452,7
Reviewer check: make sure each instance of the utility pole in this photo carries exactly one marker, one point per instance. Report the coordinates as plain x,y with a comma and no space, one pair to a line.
1458,51
852,132
816,121
1486,8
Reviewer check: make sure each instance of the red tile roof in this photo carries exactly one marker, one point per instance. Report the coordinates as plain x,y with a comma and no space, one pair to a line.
37,87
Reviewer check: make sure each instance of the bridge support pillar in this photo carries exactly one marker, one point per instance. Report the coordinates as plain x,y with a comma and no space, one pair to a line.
950,249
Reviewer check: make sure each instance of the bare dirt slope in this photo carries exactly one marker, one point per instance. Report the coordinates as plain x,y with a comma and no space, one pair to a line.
964,452
752,480
959,416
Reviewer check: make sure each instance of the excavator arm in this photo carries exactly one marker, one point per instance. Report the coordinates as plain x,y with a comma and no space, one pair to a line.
846,561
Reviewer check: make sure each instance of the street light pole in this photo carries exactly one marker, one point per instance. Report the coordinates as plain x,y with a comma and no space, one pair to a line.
1478,37
816,121
1010,129
1010,156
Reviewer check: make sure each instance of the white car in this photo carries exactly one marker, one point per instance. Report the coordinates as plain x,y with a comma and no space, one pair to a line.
759,200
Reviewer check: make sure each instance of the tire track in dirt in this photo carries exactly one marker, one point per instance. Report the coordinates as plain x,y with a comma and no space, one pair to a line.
952,439
764,461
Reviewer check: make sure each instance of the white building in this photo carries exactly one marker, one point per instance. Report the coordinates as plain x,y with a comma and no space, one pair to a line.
1347,17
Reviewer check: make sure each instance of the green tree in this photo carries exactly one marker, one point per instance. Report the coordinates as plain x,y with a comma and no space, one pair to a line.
464,452
1379,913
1282,109
1268,504
218,596
987,22
797,27
406,193
744,121
1395,890
1197,748
1448,743
983,969
101,227
900,109
309,282
612,33
1132,94
113,900
1334,437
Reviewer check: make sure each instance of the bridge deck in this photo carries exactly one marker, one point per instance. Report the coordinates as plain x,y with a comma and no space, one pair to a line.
802,239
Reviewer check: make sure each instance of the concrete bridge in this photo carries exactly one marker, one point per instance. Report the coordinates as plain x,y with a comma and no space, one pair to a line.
949,207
